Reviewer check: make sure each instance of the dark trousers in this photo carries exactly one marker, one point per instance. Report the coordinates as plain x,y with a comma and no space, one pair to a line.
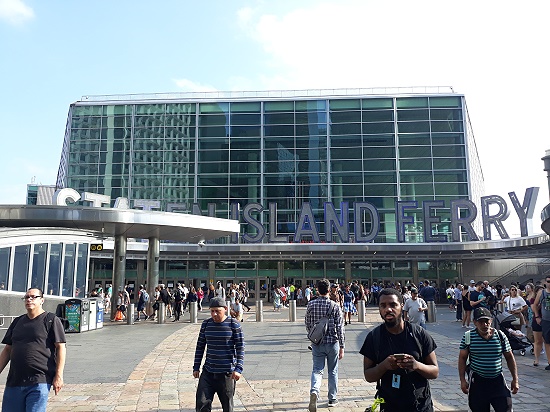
177,310
486,392
459,310
211,383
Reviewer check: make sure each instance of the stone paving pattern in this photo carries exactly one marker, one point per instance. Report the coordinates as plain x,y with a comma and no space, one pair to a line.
148,367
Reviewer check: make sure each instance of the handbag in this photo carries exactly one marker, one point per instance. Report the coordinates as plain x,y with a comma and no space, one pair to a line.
319,329
118,315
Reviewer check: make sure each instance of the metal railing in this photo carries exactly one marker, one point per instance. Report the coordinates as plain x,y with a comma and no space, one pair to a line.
4,324
524,272
271,94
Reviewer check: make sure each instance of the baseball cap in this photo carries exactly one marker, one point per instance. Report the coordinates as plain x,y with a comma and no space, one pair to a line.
472,282
482,313
414,290
218,303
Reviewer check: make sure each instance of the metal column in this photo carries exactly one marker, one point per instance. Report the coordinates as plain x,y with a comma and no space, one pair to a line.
153,257
119,270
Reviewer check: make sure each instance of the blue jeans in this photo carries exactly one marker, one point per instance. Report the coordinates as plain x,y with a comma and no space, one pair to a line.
32,398
322,352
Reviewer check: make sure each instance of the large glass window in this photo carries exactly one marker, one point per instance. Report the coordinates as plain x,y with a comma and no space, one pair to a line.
39,265
54,270
68,270
81,270
5,253
21,268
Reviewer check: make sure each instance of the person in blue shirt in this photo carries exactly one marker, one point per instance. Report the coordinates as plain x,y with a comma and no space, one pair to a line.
223,339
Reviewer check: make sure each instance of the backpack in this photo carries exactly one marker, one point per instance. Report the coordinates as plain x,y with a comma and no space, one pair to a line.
48,321
319,330
145,296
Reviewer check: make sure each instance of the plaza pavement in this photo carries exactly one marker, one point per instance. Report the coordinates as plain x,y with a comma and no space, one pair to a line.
148,367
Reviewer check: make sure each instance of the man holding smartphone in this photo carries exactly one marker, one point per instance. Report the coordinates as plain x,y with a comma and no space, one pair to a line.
400,357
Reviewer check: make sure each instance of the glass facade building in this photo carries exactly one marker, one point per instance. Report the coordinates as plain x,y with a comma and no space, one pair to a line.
191,153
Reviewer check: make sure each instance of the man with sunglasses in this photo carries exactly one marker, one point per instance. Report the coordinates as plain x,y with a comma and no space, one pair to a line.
541,311
484,383
35,348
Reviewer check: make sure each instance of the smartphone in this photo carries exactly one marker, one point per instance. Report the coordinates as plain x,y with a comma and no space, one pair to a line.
399,356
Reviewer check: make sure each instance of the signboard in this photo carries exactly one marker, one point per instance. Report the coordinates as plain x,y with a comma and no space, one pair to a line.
72,313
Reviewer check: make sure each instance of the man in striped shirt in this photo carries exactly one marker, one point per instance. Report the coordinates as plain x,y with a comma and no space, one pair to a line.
485,346
223,339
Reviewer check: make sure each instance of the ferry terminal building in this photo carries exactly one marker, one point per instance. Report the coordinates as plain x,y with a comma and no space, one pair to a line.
363,184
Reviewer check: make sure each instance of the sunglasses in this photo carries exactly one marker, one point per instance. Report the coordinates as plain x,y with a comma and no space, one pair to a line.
31,297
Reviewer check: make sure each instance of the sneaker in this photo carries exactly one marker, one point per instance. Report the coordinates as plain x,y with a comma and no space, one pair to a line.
137,320
333,402
312,402
547,368
146,317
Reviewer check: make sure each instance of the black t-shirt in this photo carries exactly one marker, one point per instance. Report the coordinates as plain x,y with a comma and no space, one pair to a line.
164,296
33,354
412,386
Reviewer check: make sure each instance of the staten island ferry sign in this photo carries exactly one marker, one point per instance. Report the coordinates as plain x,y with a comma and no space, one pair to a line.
366,218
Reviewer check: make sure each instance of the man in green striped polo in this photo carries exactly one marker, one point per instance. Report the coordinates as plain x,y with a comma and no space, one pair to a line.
484,383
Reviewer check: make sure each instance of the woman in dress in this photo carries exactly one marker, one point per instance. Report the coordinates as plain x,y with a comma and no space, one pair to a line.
536,328
467,308
276,299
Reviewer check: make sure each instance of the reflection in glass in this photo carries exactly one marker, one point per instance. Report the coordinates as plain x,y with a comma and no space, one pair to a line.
54,269
5,253
68,270
21,268
81,269
39,266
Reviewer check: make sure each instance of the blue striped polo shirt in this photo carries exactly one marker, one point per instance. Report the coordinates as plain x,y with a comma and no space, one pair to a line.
486,355
224,343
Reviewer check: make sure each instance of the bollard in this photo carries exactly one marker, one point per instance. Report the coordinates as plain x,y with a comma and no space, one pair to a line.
292,311
500,307
130,314
430,314
361,311
161,313
259,311
193,312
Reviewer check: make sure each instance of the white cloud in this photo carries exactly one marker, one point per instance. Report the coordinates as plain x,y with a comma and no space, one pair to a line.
190,86
15,12
491,52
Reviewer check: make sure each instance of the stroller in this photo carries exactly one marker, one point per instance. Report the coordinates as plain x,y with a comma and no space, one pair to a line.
504,322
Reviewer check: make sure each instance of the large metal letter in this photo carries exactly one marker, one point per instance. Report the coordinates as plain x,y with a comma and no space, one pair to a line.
458,222
306,219
146,204
430,220
96,199
358,209
122,203
401,219
273,237
235,215
497,219
341,225
525,211
248,218
61,196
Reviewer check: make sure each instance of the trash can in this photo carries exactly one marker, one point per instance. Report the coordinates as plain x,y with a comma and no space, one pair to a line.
100,313
77,312
92,314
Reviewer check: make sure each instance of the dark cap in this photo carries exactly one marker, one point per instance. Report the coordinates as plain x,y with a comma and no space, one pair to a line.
414,290
218,303
482,313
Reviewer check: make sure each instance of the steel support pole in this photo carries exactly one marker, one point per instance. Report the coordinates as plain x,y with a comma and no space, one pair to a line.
119,271
153,258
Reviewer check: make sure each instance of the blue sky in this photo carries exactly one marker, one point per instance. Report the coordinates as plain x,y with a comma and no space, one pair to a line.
53,53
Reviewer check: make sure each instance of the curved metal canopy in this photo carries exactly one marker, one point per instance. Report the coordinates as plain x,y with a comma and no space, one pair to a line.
132,223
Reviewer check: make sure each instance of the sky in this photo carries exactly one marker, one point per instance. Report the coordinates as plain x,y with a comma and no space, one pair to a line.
493,52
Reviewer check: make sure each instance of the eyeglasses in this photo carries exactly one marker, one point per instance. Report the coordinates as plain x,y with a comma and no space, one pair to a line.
31,297
513,290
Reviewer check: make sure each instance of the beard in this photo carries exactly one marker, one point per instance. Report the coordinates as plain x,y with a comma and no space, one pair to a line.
390,323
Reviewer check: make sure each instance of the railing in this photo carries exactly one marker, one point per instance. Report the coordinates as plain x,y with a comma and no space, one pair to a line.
218,94
3,321
523,272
